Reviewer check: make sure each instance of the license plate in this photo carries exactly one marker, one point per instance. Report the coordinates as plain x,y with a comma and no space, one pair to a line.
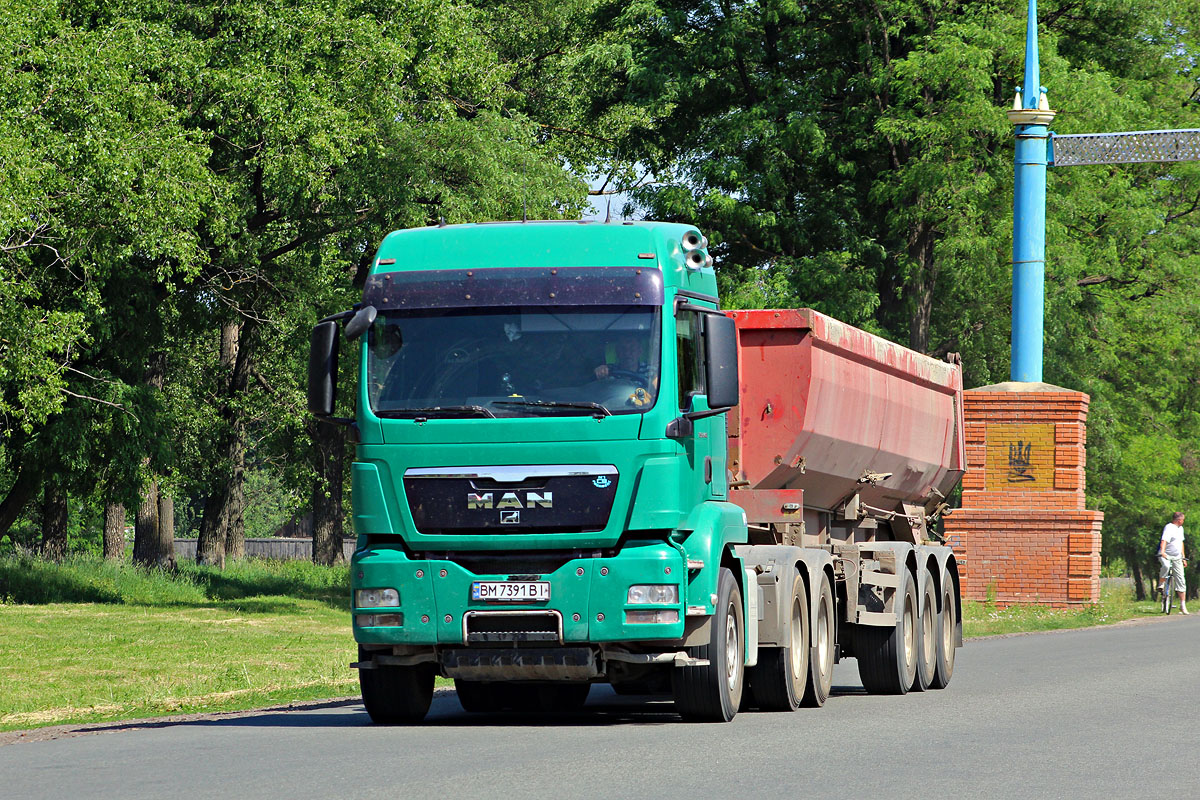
510,591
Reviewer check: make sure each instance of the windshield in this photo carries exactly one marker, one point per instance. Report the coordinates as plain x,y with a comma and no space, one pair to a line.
514,361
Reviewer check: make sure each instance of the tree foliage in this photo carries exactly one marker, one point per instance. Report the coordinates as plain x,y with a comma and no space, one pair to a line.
192,185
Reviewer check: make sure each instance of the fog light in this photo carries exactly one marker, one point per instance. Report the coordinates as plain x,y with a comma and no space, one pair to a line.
653,593
376,598
379,620
662,616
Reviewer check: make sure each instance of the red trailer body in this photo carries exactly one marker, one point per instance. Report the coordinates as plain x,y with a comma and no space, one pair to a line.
837,412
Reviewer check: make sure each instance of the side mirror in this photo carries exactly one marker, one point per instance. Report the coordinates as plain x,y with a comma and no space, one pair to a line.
322,368
721,361
358,324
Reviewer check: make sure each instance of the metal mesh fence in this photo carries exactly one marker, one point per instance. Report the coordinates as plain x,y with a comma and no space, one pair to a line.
1125,148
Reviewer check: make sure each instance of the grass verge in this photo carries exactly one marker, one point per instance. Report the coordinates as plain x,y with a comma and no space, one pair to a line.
1117,604
88,641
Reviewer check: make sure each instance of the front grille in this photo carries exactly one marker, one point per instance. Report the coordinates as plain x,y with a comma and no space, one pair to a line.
527,563
474,501
492,627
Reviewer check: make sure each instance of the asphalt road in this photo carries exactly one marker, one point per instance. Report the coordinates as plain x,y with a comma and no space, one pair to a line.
1104,712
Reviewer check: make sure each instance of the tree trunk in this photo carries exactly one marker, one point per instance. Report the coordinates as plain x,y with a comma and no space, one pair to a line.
54,522
150,547
210,545
920,288
330,447
114,531
235,494
1138,587
166,518
22,491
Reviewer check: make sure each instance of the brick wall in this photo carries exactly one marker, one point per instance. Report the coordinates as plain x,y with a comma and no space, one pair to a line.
1023,532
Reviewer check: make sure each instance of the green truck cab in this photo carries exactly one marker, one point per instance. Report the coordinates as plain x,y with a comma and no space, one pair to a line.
540,492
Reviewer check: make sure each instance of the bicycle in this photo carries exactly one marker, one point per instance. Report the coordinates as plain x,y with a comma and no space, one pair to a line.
1168,591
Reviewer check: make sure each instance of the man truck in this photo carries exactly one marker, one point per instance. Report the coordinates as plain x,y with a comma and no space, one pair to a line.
572,468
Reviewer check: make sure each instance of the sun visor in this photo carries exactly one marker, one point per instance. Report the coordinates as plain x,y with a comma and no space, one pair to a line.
506,286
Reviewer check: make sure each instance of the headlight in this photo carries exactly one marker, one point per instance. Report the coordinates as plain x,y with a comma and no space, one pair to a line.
663,616
653,593
379,620
376,598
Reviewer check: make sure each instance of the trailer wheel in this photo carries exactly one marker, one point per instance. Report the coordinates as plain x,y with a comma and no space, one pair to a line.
396,695
887,658
713,693
820,660
947,625
480,697
927,638
776,683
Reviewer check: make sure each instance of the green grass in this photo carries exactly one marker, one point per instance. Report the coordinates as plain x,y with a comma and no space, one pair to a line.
88,641
1117,604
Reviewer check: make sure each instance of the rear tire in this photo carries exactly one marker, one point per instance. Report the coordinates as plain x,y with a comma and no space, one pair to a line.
946,634
820,659
480,697
396,695
887,658
776,683
1168,598
927,637
713,693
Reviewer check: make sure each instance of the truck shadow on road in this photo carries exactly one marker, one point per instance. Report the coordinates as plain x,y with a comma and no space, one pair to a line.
604,708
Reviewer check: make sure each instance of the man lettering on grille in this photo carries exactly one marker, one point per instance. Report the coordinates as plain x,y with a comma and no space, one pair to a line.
1171,557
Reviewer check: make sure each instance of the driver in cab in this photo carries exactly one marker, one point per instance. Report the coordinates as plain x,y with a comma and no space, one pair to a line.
623,360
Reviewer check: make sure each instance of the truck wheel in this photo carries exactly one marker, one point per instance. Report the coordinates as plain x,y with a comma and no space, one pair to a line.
946,627
777,682
563,696
480,697
927,636
820,660
396,695
712,693
887,658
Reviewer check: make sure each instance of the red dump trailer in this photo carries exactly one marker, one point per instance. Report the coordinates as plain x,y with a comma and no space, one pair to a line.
842,452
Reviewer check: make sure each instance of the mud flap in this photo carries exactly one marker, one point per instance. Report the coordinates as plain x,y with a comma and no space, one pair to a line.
752,593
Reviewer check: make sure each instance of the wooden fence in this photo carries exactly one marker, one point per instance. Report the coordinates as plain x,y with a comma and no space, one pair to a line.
185,549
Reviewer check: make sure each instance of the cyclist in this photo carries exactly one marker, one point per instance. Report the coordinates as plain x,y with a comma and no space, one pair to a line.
1171,557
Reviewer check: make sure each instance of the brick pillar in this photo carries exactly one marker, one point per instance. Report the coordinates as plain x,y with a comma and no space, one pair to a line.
1022,531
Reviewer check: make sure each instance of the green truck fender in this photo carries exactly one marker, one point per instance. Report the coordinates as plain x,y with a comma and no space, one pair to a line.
708,541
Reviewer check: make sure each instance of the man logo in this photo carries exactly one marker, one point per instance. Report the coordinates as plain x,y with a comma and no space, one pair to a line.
510,517
509,500
602,482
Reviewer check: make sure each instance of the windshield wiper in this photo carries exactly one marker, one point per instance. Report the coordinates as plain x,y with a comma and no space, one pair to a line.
478,411
600,410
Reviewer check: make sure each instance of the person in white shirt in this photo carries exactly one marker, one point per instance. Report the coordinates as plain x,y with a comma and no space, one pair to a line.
1171,557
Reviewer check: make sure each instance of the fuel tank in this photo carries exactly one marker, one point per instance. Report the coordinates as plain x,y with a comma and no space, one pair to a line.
836,411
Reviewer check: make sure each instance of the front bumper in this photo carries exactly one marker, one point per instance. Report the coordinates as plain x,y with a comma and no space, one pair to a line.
588,600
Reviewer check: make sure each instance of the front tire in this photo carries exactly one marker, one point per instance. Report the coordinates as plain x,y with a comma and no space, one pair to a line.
396,695
712,693
887,658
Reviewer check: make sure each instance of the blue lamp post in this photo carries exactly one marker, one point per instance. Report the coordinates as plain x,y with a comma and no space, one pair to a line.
1032,120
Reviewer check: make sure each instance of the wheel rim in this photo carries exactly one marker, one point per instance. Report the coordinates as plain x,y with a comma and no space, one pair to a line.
910,632
948,625
928,642
824,651
731,650
796,656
